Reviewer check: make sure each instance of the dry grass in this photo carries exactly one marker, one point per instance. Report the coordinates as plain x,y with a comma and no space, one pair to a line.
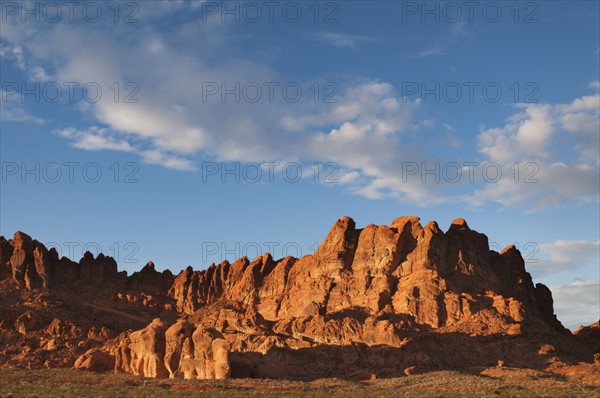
496,383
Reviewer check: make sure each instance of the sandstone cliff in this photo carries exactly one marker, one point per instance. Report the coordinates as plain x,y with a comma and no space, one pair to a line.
380,299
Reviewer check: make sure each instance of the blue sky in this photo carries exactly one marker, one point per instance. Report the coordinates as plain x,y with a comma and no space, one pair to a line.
368,109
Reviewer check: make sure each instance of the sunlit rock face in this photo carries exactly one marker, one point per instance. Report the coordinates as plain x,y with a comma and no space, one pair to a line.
381,298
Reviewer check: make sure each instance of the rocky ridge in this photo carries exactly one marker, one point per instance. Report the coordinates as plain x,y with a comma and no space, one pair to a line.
385,300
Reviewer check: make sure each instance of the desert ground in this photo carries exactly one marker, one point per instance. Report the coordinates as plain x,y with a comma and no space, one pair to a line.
488,382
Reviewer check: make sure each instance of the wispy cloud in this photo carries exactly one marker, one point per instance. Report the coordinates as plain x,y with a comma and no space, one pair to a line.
342,40
430,53
14,111
15,53
577,303
441,46
168,161
95,139
99,139
565,255
538,136
368,132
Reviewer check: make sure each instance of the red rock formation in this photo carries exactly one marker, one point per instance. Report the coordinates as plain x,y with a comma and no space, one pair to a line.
386,300
95,360
589,337
142,352
179,351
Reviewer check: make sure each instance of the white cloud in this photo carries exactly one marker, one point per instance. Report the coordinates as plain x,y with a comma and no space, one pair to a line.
38,74
582,119
577,303
12,110
98,139
557,145
342,40
431,52
527,134
456,34
11,113
348,177
15,53
168,161
370,132
95,139
565,255
551,184
372,103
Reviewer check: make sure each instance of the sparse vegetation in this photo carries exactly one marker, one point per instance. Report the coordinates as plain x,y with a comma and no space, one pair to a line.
72,383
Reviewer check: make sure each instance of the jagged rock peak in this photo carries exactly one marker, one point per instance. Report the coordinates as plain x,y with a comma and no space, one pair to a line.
346,220
459,224
377,286
401,221
510,248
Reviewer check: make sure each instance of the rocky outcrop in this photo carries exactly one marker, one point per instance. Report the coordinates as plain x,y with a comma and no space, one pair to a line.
386,300
142,352
36,267
95,360
178,351
21,260
439,279
150,280
28,322
589,337
211,354
543,296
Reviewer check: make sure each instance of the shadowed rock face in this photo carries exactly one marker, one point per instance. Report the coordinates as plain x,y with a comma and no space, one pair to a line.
376,298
